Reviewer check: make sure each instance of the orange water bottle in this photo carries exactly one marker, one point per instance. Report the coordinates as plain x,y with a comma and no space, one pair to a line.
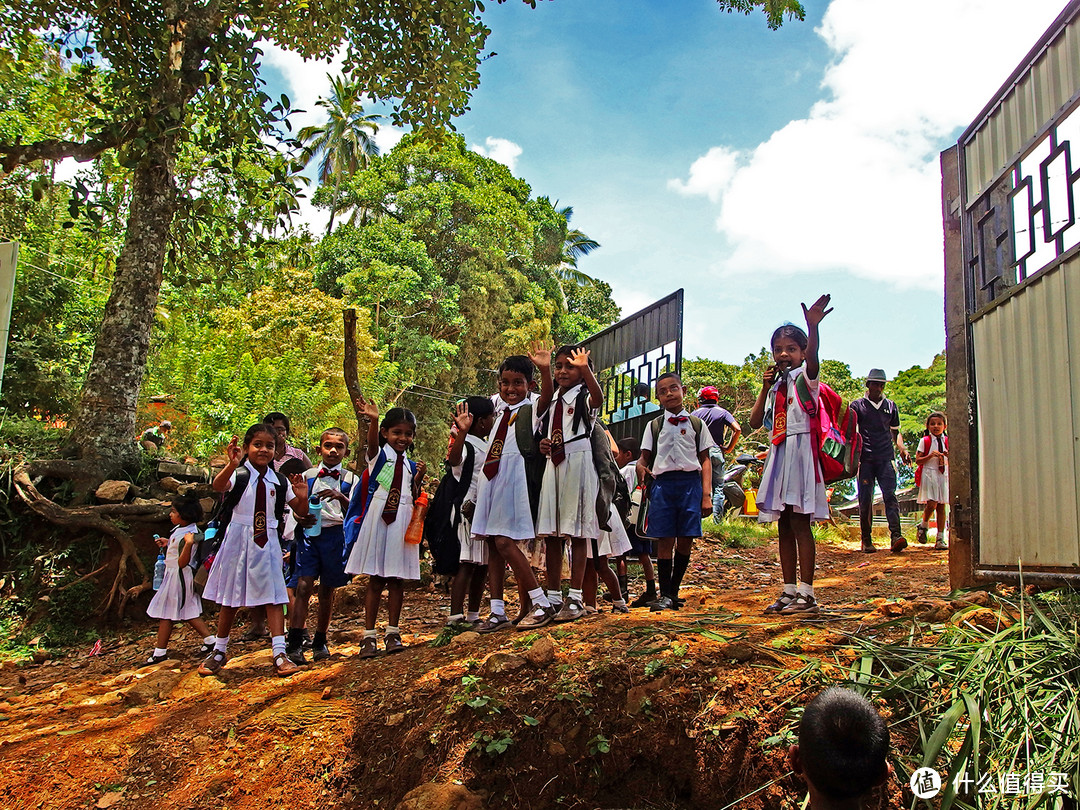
415,531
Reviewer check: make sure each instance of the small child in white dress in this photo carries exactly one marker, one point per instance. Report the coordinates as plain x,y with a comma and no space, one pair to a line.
247,568
932,460
176,600
386,507
792,491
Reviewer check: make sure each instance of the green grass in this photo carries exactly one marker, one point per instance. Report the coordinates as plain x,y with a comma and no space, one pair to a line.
739,532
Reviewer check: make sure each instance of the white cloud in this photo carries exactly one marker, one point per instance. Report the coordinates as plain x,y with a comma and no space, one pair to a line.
501,150
307,80
855,185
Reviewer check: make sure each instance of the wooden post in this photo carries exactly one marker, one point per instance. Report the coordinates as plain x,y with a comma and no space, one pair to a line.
352,385
959,385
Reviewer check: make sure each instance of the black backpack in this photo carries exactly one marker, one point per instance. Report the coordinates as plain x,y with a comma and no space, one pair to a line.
208,548
444,515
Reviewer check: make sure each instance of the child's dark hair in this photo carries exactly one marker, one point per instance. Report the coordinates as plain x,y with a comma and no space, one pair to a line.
790,330
275,416
843,744
292,466
630,445
393,418
667,375
189,507
334,431
939,415
518,363
256,429
480,407
567,349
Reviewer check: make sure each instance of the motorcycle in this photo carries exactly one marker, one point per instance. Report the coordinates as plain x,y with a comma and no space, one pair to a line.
734,494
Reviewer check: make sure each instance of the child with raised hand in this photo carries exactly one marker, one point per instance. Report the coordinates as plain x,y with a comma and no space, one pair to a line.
570,487
247,568
473,418
675,466
932,459
380,550
843,749
792,491
504,508
321,556
176,600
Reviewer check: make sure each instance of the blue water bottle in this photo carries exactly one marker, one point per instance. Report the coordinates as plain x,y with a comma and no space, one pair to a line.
159,567
315,506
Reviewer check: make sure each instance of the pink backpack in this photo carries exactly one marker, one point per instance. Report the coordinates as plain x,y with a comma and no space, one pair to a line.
835,430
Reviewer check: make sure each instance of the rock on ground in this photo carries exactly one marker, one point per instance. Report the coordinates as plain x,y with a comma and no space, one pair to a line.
433,796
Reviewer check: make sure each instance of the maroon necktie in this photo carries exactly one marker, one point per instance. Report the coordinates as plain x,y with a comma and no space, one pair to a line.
389,512
260,512
491,465
558,450
675,420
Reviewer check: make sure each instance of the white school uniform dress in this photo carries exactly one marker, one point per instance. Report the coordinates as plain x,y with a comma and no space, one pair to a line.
568,494
934,485
614,543
791,477
380,549
176,599
502,503
473,549
243,574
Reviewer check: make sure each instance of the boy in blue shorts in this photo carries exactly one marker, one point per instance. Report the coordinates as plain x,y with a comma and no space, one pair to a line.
322,556
675,456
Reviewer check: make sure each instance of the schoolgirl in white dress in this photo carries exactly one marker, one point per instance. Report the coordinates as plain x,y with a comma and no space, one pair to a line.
380,550
791,490
247,568
568,495
176,600
932,458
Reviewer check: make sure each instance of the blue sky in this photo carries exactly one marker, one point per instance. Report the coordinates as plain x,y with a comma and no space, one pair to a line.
754,168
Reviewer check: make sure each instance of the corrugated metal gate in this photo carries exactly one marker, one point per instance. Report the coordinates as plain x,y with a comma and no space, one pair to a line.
637,350
1012,248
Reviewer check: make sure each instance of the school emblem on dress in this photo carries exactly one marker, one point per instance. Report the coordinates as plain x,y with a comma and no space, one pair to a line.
393,499
496,448
570,409
683,431
260,522
780,423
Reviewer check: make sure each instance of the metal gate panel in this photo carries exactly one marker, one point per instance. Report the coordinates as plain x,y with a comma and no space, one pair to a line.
1028,419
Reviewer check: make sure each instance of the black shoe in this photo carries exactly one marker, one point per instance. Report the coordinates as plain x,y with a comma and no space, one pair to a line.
296,656
663,603
320,653
157,659
645,599
679,602
307,639
868,547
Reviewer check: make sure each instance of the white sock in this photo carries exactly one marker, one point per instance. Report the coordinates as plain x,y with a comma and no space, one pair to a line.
160,651
538,598
209,640
455,617
277,644
555,597
221,643
472,616
789,588
498,607
392,631
806,589
574,593
370,634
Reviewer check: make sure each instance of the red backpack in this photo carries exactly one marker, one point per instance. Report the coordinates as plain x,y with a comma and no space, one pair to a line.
835,430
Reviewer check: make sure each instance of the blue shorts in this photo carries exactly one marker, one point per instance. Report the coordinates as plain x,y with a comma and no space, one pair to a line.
322,557
675,505
638,545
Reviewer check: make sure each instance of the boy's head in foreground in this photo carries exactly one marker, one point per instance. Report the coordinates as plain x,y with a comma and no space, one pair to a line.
670,391
843,749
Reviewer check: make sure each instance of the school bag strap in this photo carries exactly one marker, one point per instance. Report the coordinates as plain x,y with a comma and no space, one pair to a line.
529,447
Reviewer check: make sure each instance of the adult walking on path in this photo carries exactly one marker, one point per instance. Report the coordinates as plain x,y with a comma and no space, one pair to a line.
718,421
879,424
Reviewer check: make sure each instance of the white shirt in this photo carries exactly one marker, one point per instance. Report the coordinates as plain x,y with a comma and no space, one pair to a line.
245,510
332,514
571,438
676,448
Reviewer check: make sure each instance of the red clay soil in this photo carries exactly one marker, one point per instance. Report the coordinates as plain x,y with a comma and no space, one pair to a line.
685,709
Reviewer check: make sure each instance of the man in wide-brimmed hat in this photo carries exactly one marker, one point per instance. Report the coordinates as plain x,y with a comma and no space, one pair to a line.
879,424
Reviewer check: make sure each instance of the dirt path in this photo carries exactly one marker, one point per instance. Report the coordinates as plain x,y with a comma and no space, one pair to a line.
646,710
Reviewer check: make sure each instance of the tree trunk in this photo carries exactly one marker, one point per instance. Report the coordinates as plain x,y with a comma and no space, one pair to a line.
104,433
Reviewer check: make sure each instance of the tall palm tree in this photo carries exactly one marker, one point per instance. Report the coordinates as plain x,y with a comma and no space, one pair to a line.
345,142
575,245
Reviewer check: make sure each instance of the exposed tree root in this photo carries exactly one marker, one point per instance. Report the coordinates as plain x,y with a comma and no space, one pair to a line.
96,518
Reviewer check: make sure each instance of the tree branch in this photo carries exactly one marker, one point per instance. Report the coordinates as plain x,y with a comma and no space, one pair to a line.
18,154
